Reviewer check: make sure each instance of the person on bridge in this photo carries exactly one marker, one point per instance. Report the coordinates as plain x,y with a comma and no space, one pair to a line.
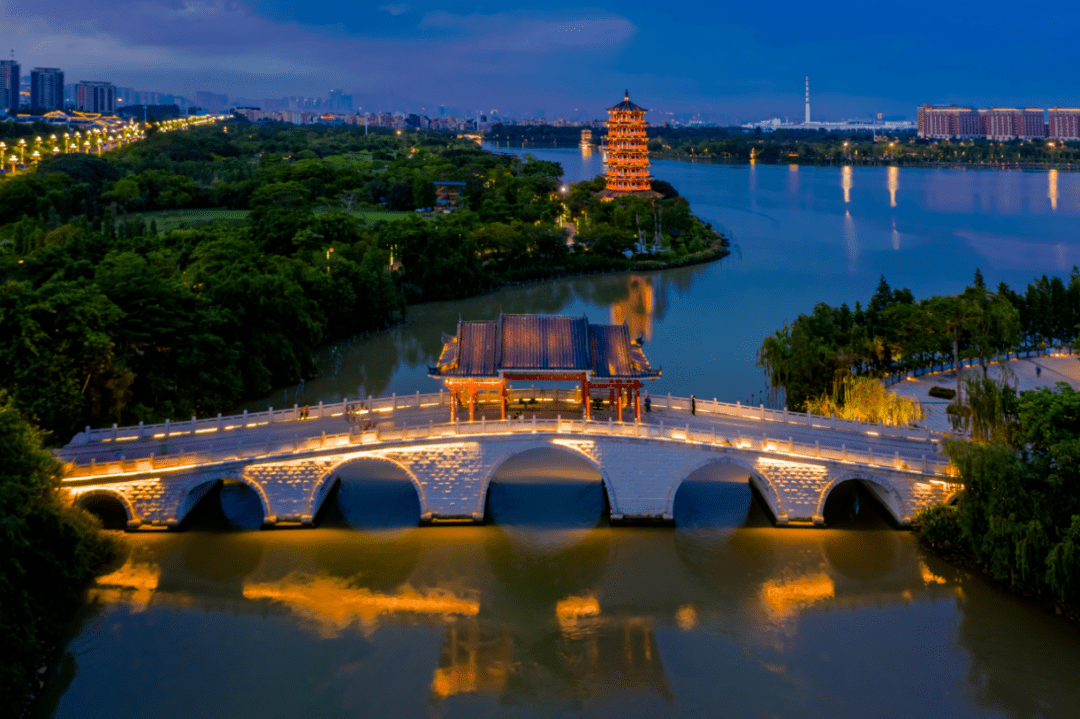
648,403
693,405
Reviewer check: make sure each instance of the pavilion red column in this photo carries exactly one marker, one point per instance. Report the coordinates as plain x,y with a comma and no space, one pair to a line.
619,390
472,402
585,400
502,397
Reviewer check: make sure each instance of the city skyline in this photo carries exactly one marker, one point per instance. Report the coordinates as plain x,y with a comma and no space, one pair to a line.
728,64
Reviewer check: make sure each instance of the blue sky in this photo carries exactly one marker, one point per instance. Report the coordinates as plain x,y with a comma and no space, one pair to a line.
736,61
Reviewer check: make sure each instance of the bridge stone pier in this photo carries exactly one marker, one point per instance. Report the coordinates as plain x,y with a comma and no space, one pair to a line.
451,466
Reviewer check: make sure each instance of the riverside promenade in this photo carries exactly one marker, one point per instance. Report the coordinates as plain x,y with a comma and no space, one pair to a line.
157,473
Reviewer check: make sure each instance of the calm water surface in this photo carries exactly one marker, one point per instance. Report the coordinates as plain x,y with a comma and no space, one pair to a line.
547,611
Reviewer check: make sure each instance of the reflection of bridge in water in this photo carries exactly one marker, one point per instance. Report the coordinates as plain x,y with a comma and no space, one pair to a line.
158,473
505,635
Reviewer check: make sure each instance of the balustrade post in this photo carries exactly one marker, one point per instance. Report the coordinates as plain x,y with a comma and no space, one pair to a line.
418,399
924,464
791,445
817,448
738,408
870,456
761,412
114,431
218,422
239,450
270,415
88,434
192,425
715,406
483,424
93,466
151,460
320,410
440,396
843,452
296,413
669,401
141,429
712,435
688,432
534,423
785,414
167,429
558,424
896,460
661,435
609,425
244,427
393,402
322,440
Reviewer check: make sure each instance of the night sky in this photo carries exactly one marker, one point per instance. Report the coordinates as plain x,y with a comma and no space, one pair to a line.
730,61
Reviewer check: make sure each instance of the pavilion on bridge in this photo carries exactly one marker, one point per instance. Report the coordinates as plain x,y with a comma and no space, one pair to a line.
487,356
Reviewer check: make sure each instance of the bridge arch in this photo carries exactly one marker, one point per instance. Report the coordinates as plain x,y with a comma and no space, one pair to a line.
322,488
85,501
241,477
886,492
567,448
761,482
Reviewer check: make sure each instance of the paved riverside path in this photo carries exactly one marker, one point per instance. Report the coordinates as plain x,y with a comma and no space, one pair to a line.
794,460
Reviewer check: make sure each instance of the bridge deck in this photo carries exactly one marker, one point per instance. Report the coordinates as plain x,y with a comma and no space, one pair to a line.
419,417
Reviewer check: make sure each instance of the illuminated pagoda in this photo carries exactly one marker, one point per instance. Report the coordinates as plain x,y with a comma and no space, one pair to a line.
628,154
479,364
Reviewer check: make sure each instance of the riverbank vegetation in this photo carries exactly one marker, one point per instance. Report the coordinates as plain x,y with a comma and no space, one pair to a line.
895,333
48,551
183,274
1018,516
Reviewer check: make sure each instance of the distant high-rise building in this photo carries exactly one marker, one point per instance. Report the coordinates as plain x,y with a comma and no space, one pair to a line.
1008,123
340,102
211,101
47,88
948,121
1064,124
10,81
96,96
807,120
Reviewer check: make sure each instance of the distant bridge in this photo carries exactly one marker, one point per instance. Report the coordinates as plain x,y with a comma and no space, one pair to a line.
158,473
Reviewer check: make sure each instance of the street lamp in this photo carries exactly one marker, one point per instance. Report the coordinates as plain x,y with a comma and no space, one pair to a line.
36,157
22,150
14,161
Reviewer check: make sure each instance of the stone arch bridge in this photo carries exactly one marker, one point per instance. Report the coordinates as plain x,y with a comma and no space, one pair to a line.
451,465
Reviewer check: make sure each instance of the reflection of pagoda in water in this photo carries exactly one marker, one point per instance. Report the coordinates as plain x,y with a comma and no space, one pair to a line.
591,657
637,309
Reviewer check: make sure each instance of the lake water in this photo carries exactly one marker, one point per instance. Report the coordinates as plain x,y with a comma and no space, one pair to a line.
547,611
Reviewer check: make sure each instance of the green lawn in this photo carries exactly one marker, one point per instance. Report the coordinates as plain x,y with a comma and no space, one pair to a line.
175,219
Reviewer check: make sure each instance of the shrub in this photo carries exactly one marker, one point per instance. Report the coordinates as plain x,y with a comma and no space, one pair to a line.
942,392
939,526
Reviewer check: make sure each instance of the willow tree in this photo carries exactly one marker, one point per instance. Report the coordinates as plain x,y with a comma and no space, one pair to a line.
865,399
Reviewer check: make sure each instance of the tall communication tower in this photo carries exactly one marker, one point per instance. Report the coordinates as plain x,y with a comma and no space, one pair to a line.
807,100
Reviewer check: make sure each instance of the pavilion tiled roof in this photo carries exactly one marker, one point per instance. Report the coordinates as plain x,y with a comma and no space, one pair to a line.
541,344
626,105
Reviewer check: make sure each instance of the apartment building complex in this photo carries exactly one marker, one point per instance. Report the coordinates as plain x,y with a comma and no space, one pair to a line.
9,85
96,96
949,122
47,88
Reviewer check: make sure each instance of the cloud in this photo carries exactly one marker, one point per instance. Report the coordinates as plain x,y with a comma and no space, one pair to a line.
506,33
394,10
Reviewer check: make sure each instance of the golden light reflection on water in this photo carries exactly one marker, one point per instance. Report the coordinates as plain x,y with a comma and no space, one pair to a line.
637,309
845,182
783,599
134,584
1052,193
851,242
333,605
894,184
568,611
